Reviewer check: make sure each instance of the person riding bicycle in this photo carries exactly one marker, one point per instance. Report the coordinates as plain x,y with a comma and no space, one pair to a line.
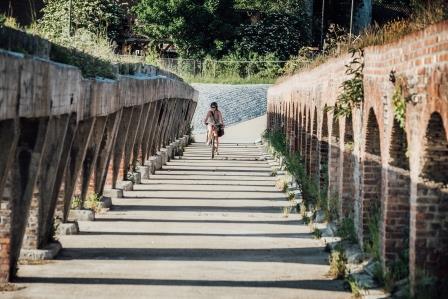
212,120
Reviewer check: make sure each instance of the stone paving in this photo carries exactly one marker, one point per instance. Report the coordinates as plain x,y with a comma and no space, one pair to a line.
238,103
197,229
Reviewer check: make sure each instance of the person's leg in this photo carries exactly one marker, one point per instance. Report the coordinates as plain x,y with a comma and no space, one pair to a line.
209,134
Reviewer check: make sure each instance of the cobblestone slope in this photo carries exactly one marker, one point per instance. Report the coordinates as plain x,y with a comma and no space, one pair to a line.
238,103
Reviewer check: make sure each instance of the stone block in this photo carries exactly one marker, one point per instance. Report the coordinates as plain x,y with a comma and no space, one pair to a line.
69,228
144,171
163,156
47,253
125,185
82,215
106,202
137,177
113,193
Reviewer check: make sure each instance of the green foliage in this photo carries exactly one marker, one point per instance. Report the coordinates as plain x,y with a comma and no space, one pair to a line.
219,27
338,262
373,244
317,233
76,203
2,19
303,59
96,16
53,230
399,100
197,28
233,68
352,93
428,286
93,202
397,270
354,287
399,103
276,33
346,230
271,5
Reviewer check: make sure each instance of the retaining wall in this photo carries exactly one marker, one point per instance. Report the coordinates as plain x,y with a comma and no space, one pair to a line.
370,160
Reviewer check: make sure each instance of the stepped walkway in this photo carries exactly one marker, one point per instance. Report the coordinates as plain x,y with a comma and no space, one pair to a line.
196,229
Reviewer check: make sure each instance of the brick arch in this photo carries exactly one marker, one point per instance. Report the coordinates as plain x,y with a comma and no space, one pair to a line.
308,142
297,127
335,162
348,166
429,225
304,133
371,180
300,131
324,150
396,203
314,149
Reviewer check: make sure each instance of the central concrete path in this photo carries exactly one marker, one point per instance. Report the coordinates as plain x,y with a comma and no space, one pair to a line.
196,229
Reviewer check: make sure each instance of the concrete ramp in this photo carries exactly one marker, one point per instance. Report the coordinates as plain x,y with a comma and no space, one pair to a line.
198,228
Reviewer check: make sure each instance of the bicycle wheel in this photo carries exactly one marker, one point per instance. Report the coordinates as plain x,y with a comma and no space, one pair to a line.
213,146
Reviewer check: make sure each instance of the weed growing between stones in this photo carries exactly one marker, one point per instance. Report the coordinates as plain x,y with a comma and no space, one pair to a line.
373,243
93,202
76,203
338,263
317,233
346,230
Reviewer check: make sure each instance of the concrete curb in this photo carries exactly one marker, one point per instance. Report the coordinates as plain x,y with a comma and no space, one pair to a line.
67,229
47,253
82,215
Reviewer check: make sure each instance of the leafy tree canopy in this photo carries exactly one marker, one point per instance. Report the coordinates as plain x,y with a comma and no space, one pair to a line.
196,27
217,27
271,5
102,17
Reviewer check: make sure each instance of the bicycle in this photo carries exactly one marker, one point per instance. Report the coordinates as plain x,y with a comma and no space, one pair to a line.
214,144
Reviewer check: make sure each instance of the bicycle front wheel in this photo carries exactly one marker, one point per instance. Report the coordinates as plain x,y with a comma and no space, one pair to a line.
213,146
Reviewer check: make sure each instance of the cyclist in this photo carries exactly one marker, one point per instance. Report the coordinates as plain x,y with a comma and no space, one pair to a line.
212,120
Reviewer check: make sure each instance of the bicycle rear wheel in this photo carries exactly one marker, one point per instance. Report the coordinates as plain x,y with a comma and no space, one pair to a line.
213,146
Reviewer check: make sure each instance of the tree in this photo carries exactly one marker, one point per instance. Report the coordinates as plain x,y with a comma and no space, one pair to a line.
197,28
102,17
279,34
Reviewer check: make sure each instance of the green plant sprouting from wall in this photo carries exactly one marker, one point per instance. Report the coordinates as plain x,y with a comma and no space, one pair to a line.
352,94
400,98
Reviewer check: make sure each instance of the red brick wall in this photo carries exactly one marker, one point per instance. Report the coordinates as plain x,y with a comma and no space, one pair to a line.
403,171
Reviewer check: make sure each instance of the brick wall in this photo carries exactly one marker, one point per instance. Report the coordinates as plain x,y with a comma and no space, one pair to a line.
372,161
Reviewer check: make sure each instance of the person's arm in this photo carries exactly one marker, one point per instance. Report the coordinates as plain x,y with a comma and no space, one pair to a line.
206,117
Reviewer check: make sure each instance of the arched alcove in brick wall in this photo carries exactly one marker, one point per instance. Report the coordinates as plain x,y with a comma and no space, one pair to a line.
324,154
371,175
299,131
297,128
430,225
314,150
348,166
285,117
292,126
395,204
308,142
334,163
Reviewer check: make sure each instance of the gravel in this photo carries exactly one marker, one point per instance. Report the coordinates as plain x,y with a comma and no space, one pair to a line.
238,103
